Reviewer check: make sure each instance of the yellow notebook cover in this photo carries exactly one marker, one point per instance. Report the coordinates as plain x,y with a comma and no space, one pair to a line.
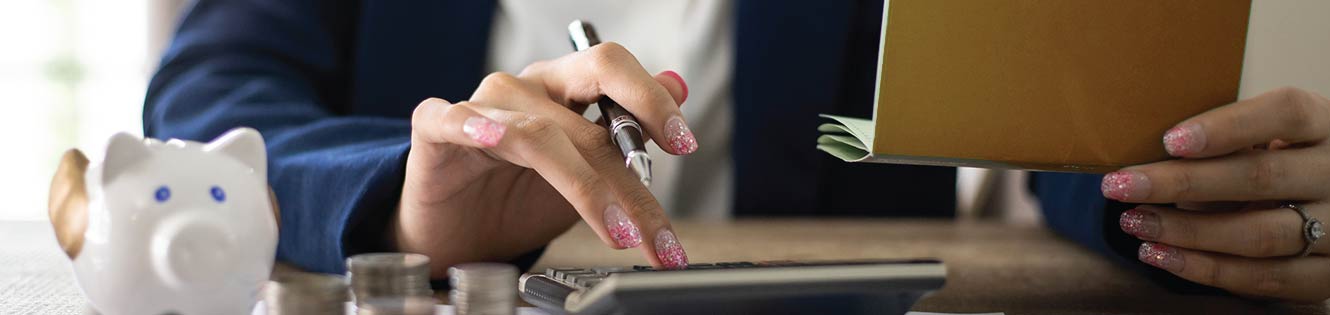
1064,85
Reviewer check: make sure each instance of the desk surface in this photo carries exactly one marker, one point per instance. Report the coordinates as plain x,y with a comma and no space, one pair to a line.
991,267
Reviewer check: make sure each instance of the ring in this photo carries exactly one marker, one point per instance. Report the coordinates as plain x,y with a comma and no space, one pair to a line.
1312,229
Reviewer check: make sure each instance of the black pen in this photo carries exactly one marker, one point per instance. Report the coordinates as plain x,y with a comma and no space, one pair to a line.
624,129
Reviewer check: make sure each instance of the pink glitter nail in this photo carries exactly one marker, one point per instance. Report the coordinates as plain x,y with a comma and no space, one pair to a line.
621,229
1184,140
669,250
1125,186
1162,256
484,130
678,135
1142,224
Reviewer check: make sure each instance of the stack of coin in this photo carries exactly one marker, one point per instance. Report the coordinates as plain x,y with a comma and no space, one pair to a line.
483,288
393,275
404,305
305,293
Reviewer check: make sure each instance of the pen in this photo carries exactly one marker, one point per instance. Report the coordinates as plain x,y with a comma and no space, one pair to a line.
624,129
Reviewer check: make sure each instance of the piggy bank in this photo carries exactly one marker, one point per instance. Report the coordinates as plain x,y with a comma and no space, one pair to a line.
175,227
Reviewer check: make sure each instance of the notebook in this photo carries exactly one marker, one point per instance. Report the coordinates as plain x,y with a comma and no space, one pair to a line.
1067,85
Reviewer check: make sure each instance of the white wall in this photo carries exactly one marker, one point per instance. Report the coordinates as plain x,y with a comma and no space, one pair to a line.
72,72
1288,44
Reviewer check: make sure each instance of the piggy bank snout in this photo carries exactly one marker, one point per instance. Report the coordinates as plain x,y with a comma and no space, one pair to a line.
190,251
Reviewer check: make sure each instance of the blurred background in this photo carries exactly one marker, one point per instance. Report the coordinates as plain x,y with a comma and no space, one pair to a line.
72,72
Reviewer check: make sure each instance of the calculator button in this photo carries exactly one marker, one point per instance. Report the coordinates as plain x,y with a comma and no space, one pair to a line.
569,275
585,280
555,272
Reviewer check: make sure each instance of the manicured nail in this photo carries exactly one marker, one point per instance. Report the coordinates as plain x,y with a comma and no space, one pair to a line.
676,77
1162,256
1184,140
622,229
484,130
1140,223
678,135
1125,186
669,250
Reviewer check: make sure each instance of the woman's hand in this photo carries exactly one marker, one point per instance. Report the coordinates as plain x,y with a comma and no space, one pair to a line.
1240,164
516,165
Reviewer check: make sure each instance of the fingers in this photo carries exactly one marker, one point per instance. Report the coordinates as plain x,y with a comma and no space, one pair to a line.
1260,233
609,69
1288,114
1217,206
1302,279
437,121
534,142
640,217
1294,174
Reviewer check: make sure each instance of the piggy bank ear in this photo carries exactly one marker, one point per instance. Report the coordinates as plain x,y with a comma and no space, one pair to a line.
121,152
68,202
245,145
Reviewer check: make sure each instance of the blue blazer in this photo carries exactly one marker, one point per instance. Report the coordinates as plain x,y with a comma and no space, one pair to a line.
331,85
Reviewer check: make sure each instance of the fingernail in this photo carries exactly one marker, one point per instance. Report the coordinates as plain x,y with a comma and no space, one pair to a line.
621,228
1125,185
1162,256
676,77
1184,140
1140,223
669,250
679,136
484,130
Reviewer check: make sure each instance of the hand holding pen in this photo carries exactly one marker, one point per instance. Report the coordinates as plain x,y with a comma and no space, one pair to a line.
506,171
623,126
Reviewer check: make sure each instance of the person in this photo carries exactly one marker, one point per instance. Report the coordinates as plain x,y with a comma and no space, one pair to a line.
385,134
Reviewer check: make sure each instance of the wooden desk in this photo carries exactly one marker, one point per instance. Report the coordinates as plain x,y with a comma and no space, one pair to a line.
990,267
1017,270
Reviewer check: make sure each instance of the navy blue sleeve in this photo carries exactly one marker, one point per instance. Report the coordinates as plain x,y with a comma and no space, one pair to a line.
280,67
1075,208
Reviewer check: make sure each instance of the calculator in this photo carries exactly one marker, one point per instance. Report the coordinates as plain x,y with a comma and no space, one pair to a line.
769,287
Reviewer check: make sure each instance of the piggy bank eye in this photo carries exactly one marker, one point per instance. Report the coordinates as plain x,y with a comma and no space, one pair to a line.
162,194
218,194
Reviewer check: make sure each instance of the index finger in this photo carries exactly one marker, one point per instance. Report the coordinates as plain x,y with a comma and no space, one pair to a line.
608,69
639,207
1288,114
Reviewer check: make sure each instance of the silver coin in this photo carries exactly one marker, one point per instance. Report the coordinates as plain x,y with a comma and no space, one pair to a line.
389,275
483,288
305,293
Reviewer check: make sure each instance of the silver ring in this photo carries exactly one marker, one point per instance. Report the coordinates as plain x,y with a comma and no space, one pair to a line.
1312,229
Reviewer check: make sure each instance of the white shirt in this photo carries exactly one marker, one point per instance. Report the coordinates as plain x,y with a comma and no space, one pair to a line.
691,37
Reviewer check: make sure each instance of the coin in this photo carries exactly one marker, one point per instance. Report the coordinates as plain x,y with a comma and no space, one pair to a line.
376,275
483,288
299,293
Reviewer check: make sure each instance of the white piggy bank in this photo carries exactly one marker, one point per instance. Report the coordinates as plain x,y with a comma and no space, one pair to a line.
176,227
